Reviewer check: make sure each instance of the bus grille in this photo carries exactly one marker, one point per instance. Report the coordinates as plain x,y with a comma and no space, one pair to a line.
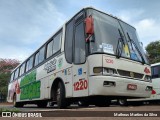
130,74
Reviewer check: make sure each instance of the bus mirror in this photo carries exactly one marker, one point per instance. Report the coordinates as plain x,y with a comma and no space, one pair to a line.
89,25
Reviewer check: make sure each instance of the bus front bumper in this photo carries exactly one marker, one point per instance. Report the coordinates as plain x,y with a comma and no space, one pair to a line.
117,86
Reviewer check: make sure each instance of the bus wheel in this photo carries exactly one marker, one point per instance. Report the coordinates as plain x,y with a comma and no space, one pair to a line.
16,104
83,104
60,96
51,104
42,104
122,102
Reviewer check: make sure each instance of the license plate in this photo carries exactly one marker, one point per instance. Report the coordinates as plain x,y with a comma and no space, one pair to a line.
131,87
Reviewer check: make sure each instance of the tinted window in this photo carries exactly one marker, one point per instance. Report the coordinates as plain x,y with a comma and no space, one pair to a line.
16,73
30,63
155,71
131,36
49,49
27,66
80,54
41,55
107,33
22,69
68,42
12,76
57,43
36,59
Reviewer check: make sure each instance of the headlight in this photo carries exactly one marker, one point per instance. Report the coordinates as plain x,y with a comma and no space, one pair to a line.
104,71
148,78
97,70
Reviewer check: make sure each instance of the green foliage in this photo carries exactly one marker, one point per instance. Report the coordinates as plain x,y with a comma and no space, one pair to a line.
153,51
9,110
6,66
4,77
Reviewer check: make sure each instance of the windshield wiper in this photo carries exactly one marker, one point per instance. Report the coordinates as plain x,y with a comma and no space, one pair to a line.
120,49
135,45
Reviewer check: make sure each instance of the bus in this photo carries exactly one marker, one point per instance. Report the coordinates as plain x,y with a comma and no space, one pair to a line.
155,95
93,58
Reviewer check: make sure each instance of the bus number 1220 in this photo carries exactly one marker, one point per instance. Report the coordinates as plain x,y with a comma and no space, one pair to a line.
80,85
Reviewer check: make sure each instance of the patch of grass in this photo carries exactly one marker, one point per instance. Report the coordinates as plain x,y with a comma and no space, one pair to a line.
9,110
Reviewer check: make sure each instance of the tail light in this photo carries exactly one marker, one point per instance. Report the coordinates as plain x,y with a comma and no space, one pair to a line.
153,92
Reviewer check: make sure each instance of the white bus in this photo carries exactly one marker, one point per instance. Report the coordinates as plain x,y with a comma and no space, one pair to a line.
155,97
93,58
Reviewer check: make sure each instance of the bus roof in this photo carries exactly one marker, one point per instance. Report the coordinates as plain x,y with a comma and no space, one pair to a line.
155,64
106,14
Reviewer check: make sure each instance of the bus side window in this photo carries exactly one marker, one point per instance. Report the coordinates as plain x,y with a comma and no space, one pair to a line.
69,42
49,49
30,63
16,73
57,42
41,54
79,47
36,59
12,76
27,66
22,69
155,72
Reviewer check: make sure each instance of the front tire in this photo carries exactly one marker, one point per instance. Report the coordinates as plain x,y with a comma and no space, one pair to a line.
60,96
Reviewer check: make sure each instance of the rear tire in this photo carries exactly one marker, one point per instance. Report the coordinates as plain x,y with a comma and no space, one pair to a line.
17,104
60,96
122,102
51,104
83,104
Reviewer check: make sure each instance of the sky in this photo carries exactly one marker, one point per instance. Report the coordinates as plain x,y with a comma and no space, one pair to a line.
26,24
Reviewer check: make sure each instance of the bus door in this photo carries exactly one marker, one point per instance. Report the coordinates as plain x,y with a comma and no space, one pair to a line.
80,66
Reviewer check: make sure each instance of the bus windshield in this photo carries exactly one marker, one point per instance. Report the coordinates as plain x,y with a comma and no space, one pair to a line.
111,34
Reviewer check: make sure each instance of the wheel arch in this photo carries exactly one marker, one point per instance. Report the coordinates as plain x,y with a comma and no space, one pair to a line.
55,85
13,95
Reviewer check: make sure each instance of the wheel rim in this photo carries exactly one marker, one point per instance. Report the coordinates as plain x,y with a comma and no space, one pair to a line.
121,102
79,103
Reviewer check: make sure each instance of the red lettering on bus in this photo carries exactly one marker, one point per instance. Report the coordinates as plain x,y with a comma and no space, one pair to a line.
80,85
109,61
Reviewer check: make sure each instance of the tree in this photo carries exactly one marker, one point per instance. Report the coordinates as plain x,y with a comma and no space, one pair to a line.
6,66
153,51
